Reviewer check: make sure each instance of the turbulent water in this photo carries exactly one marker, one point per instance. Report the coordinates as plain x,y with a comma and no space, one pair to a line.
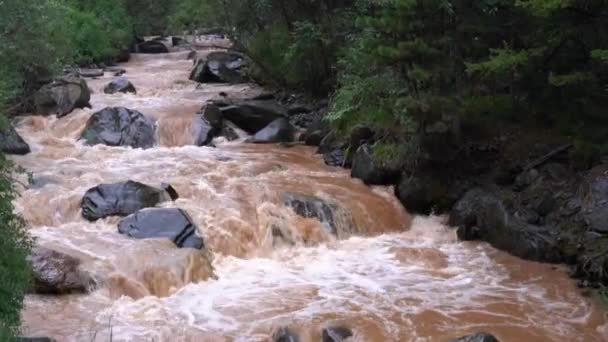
397,279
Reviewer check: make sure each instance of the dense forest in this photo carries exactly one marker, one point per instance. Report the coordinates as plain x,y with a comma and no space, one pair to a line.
397,66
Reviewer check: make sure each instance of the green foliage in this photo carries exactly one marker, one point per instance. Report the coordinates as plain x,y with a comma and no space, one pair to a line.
190,15
15,245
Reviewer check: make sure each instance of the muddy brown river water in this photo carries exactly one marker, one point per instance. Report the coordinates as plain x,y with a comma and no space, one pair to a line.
397,279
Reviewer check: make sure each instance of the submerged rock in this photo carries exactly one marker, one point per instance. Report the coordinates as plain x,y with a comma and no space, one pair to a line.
252,115
119,126
121,199
480,337
57,273
280,130
11,142
336,334
62,96
218,67
174,224
120,85
371,171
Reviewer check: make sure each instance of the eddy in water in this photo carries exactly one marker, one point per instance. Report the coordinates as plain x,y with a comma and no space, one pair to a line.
255,241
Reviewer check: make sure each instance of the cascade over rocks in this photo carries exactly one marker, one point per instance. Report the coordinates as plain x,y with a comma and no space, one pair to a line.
122,199
120,85
174,224
251,115
151,46
119,126
280,130
57,273
11,142
62,96
218,67
335,219
371,171
480,337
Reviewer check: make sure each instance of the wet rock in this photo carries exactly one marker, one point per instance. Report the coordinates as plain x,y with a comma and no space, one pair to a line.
218,67
120,85
57,273
175,41
280,130
336,334
119,126
62,96
231,132
213,115
174,224
192,55
420,193
252,115
11,142
121,199
594,199
152,46
336,158
371,171
92,73
480,337
284,334
315,133
545,204
482,215
203,131
313,207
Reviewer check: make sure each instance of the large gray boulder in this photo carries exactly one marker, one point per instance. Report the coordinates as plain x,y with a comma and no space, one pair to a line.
174,224
119,126
11,142
57,273
62,96
120,85
280,130
122,199
252,115
218,67
372,171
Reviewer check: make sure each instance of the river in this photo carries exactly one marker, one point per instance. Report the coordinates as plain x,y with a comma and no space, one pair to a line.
398,279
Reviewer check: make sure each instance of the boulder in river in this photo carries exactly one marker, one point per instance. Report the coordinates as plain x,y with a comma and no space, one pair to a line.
252,115
336,334
213,115
152,47
481,215
280,130
62,96
120,85
119,126
218,67
370,170
57,273
480,337
121,199
174,224
284,334
11,142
